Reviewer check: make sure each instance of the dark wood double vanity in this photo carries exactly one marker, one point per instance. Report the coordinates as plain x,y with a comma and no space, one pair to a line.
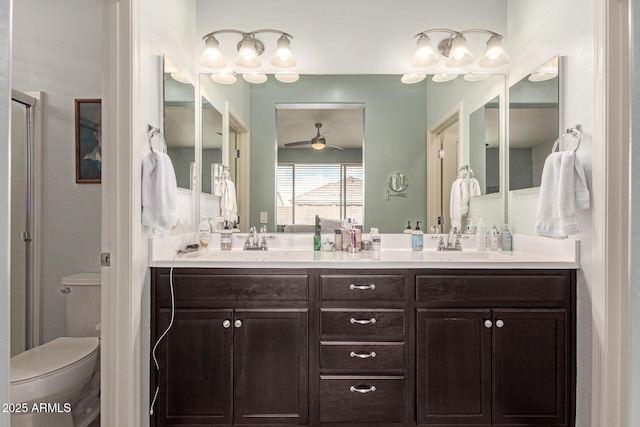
348,347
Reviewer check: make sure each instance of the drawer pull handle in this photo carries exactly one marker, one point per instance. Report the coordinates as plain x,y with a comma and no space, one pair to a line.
362,287
499,323
488,323
362,355
362,389
226,324
363,321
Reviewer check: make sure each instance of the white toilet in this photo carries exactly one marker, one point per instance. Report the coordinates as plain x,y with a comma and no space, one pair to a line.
58,383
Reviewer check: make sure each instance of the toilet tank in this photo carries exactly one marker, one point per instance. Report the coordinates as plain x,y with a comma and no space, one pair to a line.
82,300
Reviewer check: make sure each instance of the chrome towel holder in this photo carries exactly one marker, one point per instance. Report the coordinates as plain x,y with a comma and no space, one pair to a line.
153,131
575,131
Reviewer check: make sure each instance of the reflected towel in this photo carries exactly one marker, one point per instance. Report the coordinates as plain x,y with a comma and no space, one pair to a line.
228,203
563,191
474,188
455,203
159,191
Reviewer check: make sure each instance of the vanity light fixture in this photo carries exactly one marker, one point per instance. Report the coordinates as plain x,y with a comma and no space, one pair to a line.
250,48
547,71
455,49
441,78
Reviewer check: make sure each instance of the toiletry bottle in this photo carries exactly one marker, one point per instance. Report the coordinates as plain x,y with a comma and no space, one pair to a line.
506,239
204,233
481,236
417,237
337,240
471,226
495,239
225,238
408,230
375,240
317,238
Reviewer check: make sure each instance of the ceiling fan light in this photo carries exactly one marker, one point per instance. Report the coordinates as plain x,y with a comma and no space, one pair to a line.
284,56
412,78
287,77
224,78
424,55
211,56
494,55
319,144
255,78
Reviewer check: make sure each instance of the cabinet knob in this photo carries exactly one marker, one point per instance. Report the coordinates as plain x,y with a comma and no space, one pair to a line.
363,321
362,287
488,323
362,355
226,323
499,323
362,389
237,323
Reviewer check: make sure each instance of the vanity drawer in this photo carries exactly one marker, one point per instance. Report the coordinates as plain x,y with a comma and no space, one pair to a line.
548,289
201,289
362,399
362,355
379,287
343,322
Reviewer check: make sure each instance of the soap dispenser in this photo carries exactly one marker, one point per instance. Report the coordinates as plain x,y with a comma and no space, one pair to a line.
417,238
408,230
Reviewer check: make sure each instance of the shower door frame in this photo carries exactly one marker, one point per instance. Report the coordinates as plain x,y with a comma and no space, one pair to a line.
34,155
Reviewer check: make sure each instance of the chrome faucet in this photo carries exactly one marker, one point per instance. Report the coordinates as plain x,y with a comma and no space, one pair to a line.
453,241
253,243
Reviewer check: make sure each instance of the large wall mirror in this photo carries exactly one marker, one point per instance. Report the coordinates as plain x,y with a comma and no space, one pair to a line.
179,122
319,165
533,124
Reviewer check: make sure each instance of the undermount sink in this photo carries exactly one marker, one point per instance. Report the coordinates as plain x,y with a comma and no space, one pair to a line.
468,255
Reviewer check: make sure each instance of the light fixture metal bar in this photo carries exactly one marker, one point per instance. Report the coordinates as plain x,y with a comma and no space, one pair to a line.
246,33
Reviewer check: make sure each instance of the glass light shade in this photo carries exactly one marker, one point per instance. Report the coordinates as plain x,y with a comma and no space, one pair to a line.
248,54
494,55
412,78
476,77
284,56
319,144
424,54
255,78
211,56
180,77
441,78
459,55
541,77
224,78
287,77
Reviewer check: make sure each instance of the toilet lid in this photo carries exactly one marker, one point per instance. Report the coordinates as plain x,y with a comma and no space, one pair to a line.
51,357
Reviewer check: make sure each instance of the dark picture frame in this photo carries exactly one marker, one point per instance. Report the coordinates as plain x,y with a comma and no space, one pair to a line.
88,141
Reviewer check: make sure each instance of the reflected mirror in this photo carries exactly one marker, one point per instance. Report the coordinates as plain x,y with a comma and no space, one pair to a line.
319,165
179,122
484,146
533,124
211,145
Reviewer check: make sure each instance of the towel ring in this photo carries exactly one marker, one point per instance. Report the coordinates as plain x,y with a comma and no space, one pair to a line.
151,132
575,132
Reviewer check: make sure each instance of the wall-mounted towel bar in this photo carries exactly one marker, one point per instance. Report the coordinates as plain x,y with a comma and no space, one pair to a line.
575,131
153,131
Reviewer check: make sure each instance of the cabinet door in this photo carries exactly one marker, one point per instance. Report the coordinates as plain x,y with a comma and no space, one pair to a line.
530,367
270,367
453,366
195,368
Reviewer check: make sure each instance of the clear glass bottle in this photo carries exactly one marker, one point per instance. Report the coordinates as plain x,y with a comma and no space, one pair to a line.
204,233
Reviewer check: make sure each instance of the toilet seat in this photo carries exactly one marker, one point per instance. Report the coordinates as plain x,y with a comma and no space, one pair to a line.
51,358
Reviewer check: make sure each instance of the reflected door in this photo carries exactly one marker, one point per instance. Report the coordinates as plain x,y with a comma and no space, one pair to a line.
20,240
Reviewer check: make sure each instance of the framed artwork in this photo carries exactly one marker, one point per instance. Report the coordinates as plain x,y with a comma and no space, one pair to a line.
88,141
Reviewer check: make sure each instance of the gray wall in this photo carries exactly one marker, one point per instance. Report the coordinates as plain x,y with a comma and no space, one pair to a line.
57,49
395,140
634,229
5,91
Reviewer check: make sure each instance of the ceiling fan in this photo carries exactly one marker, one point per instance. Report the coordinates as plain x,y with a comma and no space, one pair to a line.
318,142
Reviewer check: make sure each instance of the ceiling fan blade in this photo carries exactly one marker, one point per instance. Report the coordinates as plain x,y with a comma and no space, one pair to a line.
297,143
334,146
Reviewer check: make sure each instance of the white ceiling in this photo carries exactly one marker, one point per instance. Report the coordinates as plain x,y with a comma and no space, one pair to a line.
344,126
351,36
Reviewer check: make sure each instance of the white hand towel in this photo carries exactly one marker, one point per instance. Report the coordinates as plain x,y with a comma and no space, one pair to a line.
455,209
228,203
474,188
563,191
464,196
159,191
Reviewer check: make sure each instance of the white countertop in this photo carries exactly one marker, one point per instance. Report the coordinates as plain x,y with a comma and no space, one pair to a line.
291,250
